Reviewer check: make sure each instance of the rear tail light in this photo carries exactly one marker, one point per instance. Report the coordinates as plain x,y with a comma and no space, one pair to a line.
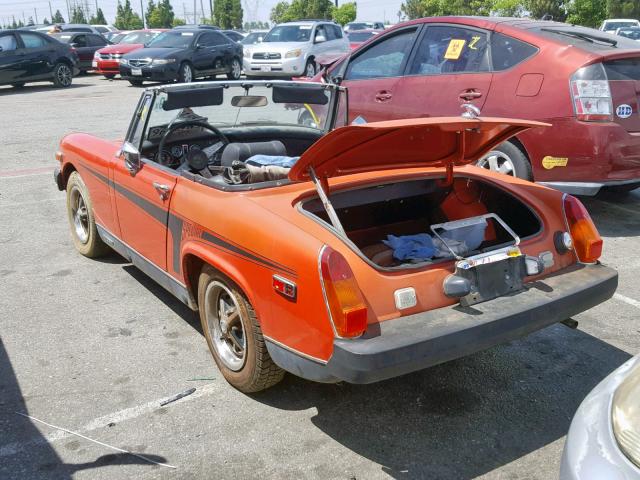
345,303
591,94
586,239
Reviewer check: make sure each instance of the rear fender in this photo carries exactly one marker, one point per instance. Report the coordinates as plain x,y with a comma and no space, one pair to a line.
207,255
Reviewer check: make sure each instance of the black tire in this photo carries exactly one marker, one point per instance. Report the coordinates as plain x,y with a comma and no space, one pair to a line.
256,370
62,75
89,242
310,69
109,76
136,83
185,74
18,85
236,70
508,152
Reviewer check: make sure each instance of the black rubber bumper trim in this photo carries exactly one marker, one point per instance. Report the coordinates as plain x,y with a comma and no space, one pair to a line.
414,342
57,176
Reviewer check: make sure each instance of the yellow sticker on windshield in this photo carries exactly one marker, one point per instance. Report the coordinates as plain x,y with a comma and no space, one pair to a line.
454,49
551,162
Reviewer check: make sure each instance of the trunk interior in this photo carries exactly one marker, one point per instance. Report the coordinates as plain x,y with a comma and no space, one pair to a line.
369,214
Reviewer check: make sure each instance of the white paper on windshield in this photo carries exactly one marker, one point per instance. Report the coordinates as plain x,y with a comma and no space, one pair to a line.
305,27
187,34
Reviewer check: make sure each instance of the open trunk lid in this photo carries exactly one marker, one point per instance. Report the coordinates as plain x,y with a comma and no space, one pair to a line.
411,143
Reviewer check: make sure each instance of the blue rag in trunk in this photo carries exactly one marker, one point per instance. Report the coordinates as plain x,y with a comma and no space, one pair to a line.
411,247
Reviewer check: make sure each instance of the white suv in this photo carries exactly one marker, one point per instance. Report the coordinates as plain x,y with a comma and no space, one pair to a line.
291,49
612,24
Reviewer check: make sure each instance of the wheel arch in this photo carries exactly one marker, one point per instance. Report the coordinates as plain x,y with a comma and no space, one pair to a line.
196,255
67,169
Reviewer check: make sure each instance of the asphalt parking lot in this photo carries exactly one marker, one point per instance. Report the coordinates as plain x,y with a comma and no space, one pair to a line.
95,346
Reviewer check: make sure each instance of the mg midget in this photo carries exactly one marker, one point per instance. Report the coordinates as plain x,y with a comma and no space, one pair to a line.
335,252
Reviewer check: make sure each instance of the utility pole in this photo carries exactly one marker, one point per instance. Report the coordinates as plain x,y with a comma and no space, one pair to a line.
144,20
195,13
35,11
211,7
201,10
184,12
51,12
68,12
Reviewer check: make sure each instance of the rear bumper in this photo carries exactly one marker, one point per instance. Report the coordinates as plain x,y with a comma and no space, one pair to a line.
588,188
415,342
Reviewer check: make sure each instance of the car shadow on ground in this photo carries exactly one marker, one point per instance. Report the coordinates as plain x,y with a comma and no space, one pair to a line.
615,214
36,87
25,452
464,418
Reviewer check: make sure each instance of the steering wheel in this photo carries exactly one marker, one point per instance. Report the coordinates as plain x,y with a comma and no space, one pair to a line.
190,123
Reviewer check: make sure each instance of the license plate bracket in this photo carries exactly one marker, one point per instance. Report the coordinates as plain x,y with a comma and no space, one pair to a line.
265,68
492,280
136,71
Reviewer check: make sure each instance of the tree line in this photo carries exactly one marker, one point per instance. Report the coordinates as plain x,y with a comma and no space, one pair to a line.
589,13
285,11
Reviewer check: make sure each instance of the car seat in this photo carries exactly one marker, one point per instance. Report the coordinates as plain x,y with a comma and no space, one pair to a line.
242,151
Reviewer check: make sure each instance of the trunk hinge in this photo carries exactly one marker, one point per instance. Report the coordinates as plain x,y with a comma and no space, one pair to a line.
460,155
322,187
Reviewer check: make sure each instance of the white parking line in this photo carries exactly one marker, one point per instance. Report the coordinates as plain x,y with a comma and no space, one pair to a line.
100,422
630,301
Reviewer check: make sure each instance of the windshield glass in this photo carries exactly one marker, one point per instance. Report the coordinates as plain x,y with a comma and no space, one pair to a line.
235,110
253,38
63,37
616,25
138,37
172,40
359,26
632,33
360,36
289,33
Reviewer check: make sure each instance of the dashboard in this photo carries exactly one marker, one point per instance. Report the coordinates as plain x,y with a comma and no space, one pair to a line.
172,154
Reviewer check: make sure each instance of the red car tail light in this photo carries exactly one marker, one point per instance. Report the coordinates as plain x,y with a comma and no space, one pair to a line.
586,239
591,94
345,303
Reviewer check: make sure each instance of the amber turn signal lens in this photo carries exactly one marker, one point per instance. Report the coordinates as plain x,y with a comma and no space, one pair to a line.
586,239
344,299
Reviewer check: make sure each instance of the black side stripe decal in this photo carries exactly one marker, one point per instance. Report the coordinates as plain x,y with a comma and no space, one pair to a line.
175,224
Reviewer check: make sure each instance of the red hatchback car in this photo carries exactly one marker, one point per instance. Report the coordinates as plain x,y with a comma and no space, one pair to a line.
106,61
586,83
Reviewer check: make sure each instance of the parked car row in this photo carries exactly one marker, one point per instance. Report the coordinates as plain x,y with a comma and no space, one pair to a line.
511,68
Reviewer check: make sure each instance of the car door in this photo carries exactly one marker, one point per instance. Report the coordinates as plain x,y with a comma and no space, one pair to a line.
37,51
373,74
449,66
142,200
225,47
12,64
83,49
206,54
96,42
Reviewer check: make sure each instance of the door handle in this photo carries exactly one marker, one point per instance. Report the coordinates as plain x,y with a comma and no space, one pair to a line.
162,189
469,95
383,96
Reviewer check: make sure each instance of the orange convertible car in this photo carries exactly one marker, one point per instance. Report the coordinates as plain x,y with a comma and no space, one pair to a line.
353,253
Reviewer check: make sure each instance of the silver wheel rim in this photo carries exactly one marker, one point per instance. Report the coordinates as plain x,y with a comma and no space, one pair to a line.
235,69
310,70
186,74
63,75
224,322
498,161
80,215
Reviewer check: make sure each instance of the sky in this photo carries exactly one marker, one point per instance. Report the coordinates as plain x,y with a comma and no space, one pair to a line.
254,10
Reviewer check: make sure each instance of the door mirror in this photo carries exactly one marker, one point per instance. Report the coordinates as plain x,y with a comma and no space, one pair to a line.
132,159
199,46
1,49
320,39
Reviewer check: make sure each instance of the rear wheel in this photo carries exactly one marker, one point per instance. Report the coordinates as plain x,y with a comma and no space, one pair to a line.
81,220
185,75
236,70
508,159
62,75
234,335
